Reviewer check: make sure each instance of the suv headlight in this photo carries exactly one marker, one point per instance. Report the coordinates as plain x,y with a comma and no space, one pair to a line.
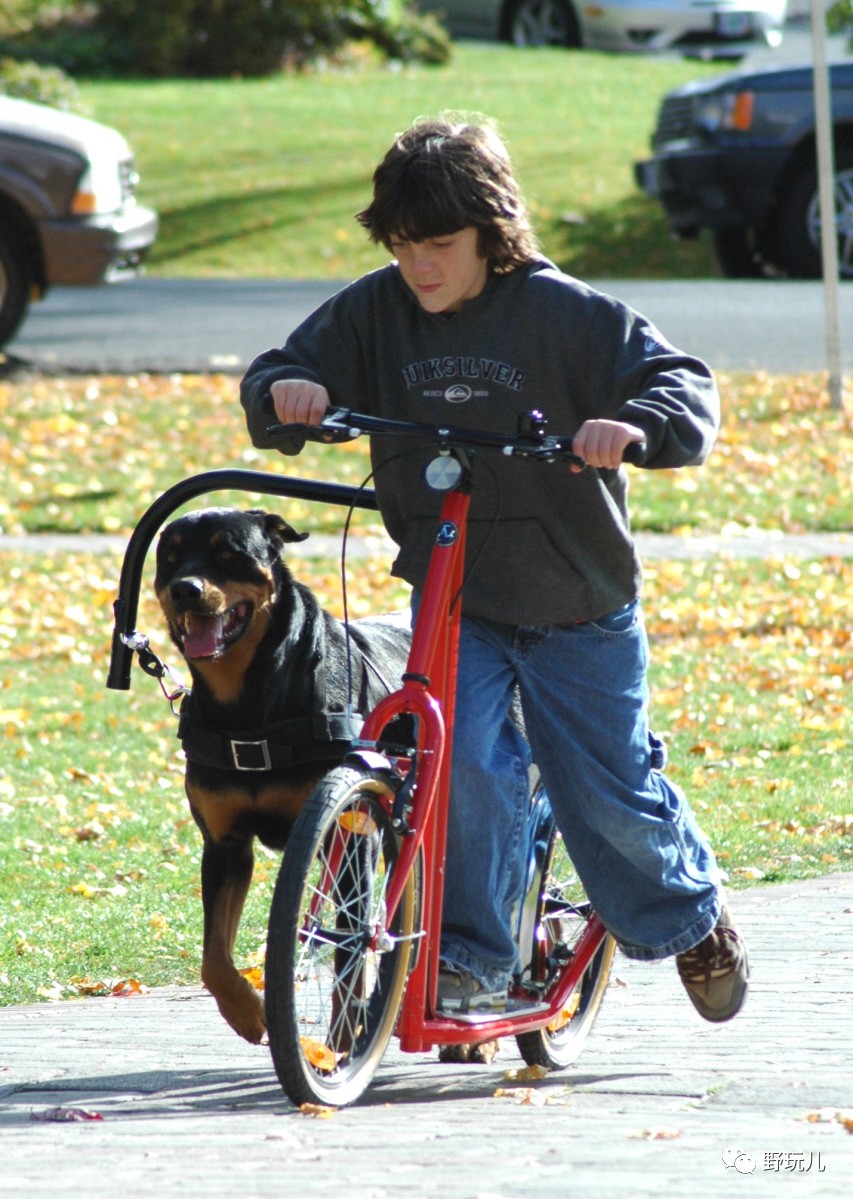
729,110
99,188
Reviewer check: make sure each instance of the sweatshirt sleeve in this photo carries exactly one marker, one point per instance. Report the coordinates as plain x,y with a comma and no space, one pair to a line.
323,349
257,402
670,395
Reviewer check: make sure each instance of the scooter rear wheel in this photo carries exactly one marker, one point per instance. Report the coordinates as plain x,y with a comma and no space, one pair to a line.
562,916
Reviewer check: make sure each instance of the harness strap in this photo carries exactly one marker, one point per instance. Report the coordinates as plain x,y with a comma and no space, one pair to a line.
274,746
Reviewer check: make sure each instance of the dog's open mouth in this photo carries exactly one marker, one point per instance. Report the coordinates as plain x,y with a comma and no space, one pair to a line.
204,636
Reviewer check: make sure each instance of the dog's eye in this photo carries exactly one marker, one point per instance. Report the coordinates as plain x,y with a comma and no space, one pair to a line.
225,555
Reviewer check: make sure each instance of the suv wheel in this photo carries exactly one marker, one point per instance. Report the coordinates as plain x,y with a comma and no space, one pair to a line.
543,23
798,224
15,284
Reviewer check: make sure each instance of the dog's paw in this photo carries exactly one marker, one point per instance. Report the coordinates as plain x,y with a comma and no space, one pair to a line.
243,1008
249,1024
253,1030
479,1055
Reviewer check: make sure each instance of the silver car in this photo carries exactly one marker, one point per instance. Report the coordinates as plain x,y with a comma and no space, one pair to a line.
617,24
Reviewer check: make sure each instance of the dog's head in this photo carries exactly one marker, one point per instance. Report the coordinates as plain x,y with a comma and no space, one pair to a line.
219,575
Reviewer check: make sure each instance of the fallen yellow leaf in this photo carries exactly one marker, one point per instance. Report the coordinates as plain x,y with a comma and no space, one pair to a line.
128,986
527,1074
319,1055
831,1115
255,976
317,1110
522,1095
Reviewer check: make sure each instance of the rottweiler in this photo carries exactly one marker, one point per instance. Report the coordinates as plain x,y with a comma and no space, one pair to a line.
269,711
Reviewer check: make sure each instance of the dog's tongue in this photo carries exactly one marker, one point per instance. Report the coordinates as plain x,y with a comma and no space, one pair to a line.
203,635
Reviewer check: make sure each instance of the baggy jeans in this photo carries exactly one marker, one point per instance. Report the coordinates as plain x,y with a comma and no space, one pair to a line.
645,865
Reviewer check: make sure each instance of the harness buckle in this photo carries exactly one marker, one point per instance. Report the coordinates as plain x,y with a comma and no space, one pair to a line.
251,755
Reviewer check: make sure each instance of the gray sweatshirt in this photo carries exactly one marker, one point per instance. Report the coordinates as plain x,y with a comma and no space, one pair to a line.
545,546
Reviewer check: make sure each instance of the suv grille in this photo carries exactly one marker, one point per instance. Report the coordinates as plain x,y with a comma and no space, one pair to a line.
675,120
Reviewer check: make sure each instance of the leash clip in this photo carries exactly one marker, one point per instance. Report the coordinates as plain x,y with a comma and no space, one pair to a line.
154,666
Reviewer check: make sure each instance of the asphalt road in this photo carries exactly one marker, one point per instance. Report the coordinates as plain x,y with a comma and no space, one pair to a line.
203,324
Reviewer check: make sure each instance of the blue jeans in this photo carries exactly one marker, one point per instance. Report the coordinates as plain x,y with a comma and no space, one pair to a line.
634,842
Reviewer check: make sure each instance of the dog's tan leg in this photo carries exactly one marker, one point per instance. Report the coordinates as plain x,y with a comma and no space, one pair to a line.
226,872
480,1055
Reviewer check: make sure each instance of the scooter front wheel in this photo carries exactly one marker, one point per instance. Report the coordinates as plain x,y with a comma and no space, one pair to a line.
335,975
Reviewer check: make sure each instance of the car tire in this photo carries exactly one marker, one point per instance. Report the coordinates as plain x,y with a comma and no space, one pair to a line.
736,252
543,23
15,284
797,232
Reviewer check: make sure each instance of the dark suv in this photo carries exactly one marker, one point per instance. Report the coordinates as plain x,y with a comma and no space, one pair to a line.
736,155
68,211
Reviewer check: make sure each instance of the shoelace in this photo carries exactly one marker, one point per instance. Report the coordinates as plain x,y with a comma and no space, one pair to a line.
718,954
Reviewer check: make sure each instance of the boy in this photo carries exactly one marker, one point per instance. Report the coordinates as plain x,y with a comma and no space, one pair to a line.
469,315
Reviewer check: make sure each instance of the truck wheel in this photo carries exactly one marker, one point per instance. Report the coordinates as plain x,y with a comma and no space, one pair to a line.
543,23
737,254
798,226
15,284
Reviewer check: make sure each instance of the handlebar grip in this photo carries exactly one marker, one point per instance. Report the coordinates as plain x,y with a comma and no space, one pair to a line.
635,453
333,429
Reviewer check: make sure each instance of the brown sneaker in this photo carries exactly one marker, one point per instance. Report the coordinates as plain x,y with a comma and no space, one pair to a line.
460,991
715,971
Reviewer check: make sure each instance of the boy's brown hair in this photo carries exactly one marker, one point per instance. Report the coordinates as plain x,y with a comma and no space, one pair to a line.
443,175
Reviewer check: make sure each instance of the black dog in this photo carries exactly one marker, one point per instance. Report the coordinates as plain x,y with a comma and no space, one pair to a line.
268,711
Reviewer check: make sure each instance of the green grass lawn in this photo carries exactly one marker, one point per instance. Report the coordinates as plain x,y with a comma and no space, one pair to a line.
263,177
99,859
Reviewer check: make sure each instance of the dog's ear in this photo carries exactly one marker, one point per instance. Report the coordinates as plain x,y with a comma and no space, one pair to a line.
277,530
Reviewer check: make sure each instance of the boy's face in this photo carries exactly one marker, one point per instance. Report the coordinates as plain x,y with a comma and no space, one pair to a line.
443,272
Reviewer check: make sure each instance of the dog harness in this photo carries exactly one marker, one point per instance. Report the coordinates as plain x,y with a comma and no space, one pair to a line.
278,746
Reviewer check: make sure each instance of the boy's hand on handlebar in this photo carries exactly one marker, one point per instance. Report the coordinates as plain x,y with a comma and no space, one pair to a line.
602,443
299,401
